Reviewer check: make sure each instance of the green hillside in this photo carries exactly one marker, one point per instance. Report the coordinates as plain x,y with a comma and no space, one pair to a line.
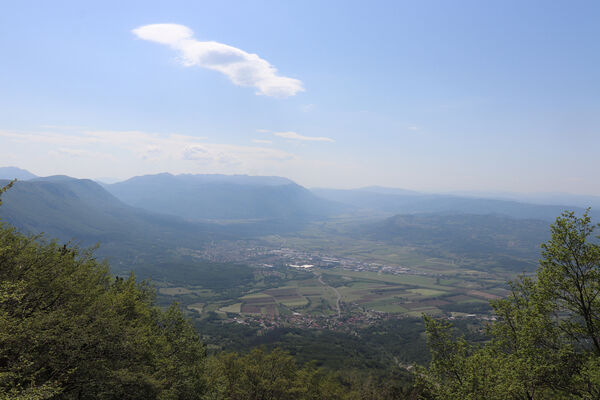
499,241
81,210
69,330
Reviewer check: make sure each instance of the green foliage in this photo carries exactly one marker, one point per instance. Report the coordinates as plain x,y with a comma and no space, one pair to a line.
492,241
372,350
545,342
268,376
5,188
184,270
570,277
68,330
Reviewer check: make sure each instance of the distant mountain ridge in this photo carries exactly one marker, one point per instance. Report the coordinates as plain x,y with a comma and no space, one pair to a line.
399,201
167,212
542,198
389,190
80,209
11,173
252,180
222,197
244,198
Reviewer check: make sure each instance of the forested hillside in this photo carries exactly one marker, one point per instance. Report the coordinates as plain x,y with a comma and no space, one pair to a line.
495,241
299,200
80,209
546,341
69,330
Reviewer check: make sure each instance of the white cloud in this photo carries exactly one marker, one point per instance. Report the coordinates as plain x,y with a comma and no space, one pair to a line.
242,68
148,151
263,131
64,127
412,128
71,152
262,141
296,136
205,155
78,153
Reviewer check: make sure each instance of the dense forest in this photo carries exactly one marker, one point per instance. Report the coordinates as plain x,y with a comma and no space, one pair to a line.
71,330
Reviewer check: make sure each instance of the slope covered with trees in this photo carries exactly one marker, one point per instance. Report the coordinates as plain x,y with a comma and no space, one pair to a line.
69,330
80,209
546,342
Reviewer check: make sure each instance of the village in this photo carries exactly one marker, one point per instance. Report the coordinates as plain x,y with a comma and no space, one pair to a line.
266,257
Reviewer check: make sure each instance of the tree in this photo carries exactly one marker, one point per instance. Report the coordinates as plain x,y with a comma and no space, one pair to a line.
5,188
570,278
268,376
545,344
69,330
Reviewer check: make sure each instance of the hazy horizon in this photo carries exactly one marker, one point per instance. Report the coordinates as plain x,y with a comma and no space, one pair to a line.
542,197
427,96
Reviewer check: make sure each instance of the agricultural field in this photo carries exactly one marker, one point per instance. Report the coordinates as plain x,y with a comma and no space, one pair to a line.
406,294
320,291
408,266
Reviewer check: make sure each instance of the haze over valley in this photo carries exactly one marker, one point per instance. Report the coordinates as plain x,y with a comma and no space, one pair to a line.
166,226
275,200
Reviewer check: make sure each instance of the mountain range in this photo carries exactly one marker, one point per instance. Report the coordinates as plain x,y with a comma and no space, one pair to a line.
184,210
143,221
222,197
398,201
81,210
15,173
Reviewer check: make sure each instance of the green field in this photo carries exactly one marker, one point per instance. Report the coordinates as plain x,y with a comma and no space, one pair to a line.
442,264
361,291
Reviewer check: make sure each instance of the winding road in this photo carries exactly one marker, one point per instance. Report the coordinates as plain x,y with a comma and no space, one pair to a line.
339,296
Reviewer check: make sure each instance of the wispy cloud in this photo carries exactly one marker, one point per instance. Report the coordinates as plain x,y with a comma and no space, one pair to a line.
64,127
158,149
296,136
242,68
78,153
261,141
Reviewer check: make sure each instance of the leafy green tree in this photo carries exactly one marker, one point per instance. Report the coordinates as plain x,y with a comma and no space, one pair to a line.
545,342
68,330
268,376
5,188
570,277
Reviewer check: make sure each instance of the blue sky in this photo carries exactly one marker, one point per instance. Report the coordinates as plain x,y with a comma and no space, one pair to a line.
425,95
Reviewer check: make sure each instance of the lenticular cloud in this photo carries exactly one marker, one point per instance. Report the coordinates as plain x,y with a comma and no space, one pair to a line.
243,69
